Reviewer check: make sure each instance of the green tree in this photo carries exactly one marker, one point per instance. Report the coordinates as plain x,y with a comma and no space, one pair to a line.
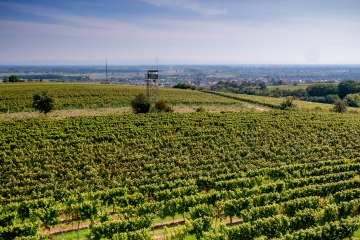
185,86
340,106
43,102
332,98
141,104
349,86
262,86
321,90
14,78
353,100
288,104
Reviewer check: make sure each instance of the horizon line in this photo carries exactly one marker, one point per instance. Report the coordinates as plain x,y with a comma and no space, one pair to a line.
175,64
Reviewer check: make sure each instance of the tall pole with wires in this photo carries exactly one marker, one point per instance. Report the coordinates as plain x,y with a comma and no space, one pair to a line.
106,72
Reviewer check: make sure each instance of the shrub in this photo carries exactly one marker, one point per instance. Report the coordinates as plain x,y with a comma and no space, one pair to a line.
162,106
43,102
340,106
141,104
200,109
288,104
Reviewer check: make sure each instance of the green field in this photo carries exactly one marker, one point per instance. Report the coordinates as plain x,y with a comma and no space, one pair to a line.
17,97
273,102
133,176
269,170
83,99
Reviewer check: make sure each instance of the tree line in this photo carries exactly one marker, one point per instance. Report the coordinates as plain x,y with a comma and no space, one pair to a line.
348,90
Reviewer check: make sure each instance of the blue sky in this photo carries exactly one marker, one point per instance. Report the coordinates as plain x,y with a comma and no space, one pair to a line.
180,31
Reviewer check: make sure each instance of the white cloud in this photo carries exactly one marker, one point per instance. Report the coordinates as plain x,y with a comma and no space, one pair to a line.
191,5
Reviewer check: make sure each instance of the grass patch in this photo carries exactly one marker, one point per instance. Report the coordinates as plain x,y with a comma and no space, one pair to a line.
72,235
357,234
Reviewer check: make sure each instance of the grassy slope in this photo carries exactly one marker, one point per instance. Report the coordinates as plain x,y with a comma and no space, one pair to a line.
275,102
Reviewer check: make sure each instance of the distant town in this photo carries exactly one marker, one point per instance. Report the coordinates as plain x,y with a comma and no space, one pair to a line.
198,75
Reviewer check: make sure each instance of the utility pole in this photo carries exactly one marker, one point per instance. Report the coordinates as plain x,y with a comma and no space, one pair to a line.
106,72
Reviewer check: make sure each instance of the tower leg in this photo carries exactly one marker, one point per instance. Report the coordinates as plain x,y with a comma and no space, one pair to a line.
148,88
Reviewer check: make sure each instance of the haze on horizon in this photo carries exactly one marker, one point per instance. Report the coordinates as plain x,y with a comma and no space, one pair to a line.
180,32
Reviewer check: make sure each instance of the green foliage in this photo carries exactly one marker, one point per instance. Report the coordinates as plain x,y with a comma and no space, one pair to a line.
200,110
348,87
42,237
143,234
292,206
43,102
332,98
49,216
271,226
243,231
7,219
347,195
353,100
185,86
340,106
200,225
201,211
322,89
261,212
18,97
218,233
334,230
18,230
14,78
141,104
162,106
169,208
288,104
235,207
251,165
112,228
304,219
323,93
201,219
